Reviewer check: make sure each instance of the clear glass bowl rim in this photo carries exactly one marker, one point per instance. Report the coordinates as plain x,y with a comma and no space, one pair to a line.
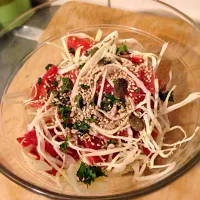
133,194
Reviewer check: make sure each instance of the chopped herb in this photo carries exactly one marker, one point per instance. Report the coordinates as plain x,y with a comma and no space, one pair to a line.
39,80
85,87
81,66
92,103
109,100
64,145
79,101
67,124
122,49
88,174
55,83
105,61
114,81
54,92
163,96
91,119
72,50
93,51
64,111
111,141
67,85
48,66
83,127
137,90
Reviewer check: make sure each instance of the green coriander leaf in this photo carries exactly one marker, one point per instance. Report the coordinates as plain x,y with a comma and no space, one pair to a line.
39,80
64,145
111,141
81,66
137,90
48,66
88,174
67,85
82,127
91,119
163,96
109,100
93,51
55,83
122,49
81,171
114,81
79,101
85,87
64,111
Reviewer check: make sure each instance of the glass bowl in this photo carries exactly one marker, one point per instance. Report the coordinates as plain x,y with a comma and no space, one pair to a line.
27,64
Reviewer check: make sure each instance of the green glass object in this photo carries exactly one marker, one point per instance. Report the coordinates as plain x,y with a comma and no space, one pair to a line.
11,9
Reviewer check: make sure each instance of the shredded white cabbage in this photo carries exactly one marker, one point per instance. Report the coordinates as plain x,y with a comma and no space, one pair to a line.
121,148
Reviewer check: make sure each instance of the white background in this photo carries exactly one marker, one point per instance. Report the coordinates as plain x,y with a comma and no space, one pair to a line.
189,7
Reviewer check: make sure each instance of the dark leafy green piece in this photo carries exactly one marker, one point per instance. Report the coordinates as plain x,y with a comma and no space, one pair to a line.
39,80
67,85
82,127
137,90
109,100
111,141
55,83
88,174
91,119
48,66
81,66
64,145
122,49
163,96
114,81
93,51
64,111
79,101
85,87
105,61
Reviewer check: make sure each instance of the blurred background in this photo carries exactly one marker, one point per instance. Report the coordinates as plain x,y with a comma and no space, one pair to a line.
10,9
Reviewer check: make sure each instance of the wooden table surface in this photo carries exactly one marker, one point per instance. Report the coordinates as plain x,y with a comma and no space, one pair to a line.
186,187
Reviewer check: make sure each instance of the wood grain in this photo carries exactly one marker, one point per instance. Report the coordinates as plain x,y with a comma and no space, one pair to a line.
81,15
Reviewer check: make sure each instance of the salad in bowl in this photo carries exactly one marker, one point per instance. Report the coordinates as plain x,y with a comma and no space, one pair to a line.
102,111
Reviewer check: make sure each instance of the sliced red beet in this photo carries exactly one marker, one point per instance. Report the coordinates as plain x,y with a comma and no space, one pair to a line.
34,152
73,153
75,42
136,60
146,75
95,143
52,172
72,75
162,85
108,89
28,139
49,148
39,90
50,74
